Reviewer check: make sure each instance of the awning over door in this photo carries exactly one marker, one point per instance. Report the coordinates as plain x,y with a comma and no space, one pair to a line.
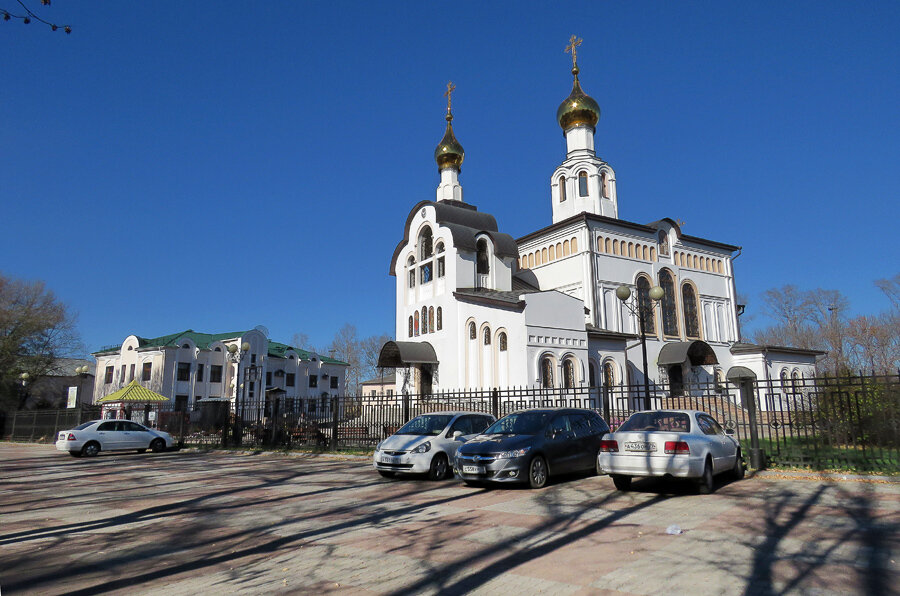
736,374
133,393
396,354
676,352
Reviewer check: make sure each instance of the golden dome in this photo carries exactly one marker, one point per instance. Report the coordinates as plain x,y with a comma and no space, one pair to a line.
449,153
578,109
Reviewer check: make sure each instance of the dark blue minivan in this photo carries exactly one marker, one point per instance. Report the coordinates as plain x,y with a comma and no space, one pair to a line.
530,445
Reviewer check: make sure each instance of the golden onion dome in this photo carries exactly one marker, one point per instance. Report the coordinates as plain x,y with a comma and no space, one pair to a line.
449,153
578,109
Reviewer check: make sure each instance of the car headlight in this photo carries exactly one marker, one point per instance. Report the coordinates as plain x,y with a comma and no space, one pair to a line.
423,448
513,453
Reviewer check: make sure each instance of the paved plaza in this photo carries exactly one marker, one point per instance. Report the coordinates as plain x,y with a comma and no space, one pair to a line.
200,523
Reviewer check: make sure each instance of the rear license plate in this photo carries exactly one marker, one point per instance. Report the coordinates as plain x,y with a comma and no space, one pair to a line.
473,470
639,446
388,459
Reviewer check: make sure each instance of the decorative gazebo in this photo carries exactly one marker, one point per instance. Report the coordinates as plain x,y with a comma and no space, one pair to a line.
121,404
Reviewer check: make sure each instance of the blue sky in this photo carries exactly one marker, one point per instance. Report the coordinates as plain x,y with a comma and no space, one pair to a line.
216,166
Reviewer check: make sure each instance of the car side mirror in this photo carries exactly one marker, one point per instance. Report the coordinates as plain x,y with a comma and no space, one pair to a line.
729,431
457,434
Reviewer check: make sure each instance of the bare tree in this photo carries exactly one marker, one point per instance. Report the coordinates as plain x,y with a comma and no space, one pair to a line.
370,348
26,15
301,341
791,310
35,330
345,346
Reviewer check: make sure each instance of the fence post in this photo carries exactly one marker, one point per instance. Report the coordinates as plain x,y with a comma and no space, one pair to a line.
405,406
181,430
748,401
495,403
334,422
12,432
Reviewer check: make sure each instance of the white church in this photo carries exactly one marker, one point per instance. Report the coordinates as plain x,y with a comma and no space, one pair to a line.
477,309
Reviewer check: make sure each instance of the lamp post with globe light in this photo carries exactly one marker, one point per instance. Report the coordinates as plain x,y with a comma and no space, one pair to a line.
636,307
236,356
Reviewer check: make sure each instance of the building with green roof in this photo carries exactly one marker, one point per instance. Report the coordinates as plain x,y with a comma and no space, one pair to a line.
191,368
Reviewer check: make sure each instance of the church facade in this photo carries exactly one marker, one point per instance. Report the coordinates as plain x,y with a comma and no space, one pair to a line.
477,309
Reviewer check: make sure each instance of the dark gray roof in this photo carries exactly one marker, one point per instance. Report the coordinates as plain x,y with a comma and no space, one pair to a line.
607,334
402,353
387,379
498,297
676,352
465,224
748,348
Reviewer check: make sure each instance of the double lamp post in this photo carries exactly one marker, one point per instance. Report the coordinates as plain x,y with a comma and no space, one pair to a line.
637,307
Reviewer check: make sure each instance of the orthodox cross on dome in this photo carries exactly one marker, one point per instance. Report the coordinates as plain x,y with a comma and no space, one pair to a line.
450,88
574,42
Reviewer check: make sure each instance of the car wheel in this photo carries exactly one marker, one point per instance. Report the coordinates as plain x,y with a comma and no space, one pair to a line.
705,483
439,467
738,471
622,483
387,474
537,472
158,445
91,449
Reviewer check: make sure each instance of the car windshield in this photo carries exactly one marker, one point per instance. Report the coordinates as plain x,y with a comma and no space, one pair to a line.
85,425
676,422
520,423
430,424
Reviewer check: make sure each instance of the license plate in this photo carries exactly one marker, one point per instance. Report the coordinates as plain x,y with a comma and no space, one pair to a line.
388,459
473,470
639,446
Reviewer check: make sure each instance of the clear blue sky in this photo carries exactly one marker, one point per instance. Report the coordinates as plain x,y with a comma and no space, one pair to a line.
216,166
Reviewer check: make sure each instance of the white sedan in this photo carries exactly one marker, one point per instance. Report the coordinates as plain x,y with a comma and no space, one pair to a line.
670,443
427,443
93,437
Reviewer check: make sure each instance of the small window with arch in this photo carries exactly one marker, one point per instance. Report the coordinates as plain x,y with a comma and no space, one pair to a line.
487,336
473,332
502,341
582,184
562,189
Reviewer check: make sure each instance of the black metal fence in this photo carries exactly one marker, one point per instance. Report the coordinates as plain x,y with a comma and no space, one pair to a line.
841,423
42,426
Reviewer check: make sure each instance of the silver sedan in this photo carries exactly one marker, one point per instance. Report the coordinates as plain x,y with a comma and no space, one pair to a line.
93,437
670,443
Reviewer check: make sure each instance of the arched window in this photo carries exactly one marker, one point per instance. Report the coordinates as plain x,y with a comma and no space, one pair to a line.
582,184
663,239
424,320
531,260
574,245
431,318
652,254
487,336
719,266
411,263
608,246
426,247
615,247
568,373
537,257
669,303
544,255
646,305
439,248
559,252
720,380
552,252
562,189
546,372
622,249
609,375
440,317
482,261
502,341
473,333
784,380
631,249
646,253
599,243
691,314
696,264
416,323
604,185
410,326
565,248
795,381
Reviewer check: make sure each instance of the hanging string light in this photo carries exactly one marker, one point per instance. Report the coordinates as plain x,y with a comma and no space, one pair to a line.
26,18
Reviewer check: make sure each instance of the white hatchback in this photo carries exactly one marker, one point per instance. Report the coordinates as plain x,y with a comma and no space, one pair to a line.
670,443
427,443
93,437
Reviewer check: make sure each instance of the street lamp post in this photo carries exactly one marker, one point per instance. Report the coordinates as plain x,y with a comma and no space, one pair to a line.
23,379
236,356
636,308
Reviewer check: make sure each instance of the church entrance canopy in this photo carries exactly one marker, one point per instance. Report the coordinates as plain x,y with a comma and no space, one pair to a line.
736,374
133,393
676,352
396,354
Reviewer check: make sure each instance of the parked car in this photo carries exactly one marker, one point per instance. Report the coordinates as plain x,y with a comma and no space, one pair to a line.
670,443
93,437
425,444
530,445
